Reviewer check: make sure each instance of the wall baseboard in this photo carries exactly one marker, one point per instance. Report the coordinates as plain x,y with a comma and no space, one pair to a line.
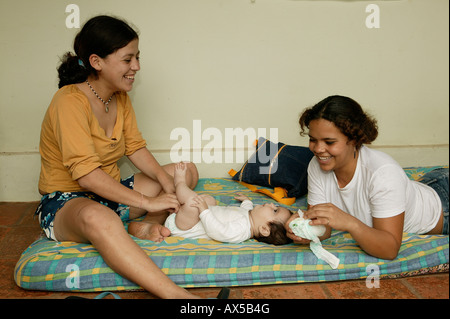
19,171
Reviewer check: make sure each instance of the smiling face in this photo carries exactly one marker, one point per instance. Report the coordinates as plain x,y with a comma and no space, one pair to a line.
118,69
332,149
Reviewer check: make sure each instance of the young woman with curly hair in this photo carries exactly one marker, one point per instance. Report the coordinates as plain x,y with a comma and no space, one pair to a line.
354,188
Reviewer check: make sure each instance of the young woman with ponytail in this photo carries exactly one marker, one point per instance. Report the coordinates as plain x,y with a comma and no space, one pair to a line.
89,125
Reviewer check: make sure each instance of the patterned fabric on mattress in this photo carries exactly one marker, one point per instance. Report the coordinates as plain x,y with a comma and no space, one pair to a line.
67,266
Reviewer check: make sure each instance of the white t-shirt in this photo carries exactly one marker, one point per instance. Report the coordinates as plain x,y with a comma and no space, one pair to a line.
379,188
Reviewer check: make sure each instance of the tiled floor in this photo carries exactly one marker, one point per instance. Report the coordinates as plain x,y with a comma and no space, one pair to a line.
18,230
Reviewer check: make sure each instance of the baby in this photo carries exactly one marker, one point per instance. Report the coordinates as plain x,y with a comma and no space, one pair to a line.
200,217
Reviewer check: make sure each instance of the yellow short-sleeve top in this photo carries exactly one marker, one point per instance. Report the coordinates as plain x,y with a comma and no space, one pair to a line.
72,143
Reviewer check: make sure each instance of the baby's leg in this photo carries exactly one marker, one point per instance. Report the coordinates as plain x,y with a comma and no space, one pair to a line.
182,190
187,215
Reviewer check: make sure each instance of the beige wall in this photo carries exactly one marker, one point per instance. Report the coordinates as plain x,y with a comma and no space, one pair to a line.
238,64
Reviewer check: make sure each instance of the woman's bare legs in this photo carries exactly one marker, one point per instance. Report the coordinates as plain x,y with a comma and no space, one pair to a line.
151,227
85,221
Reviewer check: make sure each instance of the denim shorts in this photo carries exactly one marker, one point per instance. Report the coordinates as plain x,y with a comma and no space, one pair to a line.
51,203
438,180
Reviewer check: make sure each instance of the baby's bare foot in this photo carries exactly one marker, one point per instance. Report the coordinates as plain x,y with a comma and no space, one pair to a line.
179,175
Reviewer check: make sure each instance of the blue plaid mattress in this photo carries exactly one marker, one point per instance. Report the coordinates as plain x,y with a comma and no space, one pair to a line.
68,266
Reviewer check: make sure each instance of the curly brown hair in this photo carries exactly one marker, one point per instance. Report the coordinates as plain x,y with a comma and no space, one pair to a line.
347,115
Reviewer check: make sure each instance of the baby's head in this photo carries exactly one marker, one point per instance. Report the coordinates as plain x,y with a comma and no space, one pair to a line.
268,223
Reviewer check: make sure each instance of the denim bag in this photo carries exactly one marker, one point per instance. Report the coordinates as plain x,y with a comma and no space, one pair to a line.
277,165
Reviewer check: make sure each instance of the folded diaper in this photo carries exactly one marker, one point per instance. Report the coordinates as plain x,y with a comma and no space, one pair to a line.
302,228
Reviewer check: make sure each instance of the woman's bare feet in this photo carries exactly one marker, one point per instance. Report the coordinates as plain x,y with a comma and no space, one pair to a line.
149,231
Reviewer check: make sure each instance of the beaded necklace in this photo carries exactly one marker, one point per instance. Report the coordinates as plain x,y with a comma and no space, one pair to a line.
103,101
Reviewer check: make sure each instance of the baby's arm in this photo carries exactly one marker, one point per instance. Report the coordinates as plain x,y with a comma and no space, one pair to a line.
199,203
246,202
241,197
189,213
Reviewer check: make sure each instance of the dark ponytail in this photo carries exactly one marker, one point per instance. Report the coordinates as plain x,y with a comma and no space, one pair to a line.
71,70
101,35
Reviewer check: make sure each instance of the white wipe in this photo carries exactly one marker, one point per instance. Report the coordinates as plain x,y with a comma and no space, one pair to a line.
301,228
